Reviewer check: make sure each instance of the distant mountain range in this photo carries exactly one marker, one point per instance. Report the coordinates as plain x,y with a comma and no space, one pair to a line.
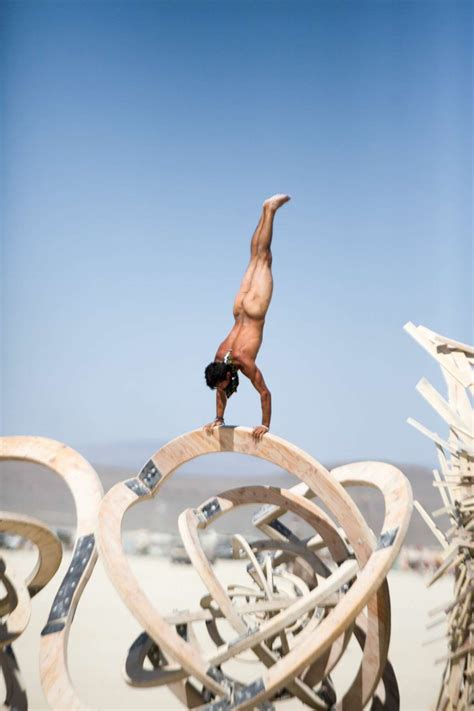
133,454
36,491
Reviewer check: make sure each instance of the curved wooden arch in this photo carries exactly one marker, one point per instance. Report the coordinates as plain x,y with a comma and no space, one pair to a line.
374,564
49,547
388,679
17,604
190,520
124,495
87,493
386,478
376,647
313,515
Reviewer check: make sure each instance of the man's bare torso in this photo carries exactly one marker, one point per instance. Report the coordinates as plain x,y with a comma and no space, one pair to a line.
244,340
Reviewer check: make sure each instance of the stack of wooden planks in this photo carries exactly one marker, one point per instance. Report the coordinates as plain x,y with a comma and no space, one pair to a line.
455,481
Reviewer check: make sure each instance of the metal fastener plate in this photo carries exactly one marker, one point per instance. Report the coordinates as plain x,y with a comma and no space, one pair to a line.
386,538
211,509
62,601
280,527
137,487
150,475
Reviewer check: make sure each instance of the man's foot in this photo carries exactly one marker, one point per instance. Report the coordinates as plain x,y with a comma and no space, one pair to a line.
276,201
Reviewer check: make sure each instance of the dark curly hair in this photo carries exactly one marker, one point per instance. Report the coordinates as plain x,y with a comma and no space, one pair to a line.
215,373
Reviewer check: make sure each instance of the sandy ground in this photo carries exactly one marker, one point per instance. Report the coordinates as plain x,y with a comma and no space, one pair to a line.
103,630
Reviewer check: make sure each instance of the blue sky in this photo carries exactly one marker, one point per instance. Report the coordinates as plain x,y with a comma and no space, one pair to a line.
139,141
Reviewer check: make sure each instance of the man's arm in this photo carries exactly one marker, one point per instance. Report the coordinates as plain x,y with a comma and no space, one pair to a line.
221,402
255,376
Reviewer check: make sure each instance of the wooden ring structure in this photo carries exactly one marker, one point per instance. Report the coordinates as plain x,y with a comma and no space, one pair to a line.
17,609
223,503
378,608
190,520
87,492
49,547
371,565
227,501
17,604
9,601
375,650
388,680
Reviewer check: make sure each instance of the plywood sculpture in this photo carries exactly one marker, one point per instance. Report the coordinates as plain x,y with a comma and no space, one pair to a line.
455,481
87,492
304,600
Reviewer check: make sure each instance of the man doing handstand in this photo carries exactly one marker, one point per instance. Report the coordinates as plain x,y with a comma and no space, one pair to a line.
238,351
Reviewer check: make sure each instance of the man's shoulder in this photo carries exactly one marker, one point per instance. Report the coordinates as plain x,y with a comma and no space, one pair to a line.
243,362
220,355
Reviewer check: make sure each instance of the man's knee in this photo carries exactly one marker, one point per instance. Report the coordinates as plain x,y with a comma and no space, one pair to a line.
265,256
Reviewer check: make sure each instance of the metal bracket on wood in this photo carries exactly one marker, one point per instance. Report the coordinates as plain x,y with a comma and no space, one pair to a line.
386,538
150,475
207,512
137,487
63,600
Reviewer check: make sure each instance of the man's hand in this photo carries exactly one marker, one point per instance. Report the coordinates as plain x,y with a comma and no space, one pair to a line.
259,431
218,422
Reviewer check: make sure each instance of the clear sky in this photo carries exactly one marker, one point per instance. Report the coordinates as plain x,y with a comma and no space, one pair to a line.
139,140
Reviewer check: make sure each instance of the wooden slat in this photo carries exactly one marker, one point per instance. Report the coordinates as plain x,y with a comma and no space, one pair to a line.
426,342
443,408
454,449
438,534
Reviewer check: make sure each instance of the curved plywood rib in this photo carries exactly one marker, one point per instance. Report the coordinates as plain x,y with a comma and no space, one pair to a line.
48,544
16,605
224,503
390,482
87,492
299,641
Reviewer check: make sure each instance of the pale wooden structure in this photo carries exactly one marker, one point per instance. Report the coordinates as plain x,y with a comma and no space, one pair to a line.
293,619
87,492
287,668
455,481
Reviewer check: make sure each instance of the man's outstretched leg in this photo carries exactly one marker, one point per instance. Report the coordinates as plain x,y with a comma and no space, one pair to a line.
257,285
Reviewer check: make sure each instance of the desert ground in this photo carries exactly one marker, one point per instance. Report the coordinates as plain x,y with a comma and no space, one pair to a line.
103,630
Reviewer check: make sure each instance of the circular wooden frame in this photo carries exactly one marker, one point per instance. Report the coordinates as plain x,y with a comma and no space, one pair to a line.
374,561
